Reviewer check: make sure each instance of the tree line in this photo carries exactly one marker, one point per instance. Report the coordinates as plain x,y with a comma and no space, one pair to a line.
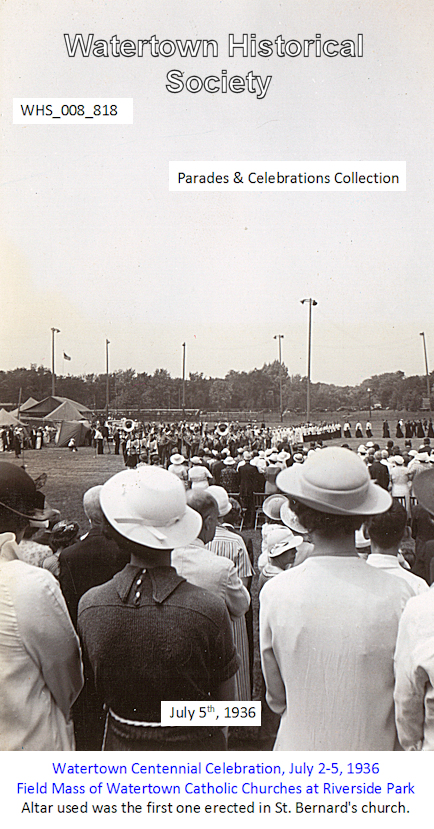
254,390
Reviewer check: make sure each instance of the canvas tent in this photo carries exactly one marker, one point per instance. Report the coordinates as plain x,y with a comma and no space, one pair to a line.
8,419
77,429
41,411
27,405
66,411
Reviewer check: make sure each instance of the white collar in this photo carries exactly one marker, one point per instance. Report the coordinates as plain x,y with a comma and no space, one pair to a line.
8,547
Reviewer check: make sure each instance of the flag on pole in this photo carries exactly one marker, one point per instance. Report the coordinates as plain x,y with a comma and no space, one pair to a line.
65,356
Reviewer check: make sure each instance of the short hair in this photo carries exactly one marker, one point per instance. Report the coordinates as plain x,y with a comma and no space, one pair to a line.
202,501
326,523
387,529
126,545
92,506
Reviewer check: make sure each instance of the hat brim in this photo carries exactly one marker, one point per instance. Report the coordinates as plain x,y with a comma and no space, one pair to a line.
277,501
376,500
291,544
423,489
290,519
178,535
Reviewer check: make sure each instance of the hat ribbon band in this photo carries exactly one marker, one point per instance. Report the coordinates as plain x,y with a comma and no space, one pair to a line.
152,529
17,512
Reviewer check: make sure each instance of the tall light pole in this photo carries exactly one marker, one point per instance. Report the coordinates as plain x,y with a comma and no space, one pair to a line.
309,351
183,381
428,390
107,381
53,375
280,337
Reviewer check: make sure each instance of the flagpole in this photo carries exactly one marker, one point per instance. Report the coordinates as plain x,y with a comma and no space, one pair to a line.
53,375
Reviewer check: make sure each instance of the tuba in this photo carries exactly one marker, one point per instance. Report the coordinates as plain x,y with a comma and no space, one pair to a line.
222,429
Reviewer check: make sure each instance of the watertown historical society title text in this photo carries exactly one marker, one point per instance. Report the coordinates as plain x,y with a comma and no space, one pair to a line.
238,46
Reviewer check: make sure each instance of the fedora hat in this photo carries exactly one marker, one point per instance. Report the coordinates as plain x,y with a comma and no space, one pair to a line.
148,506
271,506
229,461
276,535
290,543
335,481
221,496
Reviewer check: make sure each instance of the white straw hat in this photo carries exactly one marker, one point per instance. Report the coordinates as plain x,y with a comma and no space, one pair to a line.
177,458
271,505
289,543
148,506
335,481
221,496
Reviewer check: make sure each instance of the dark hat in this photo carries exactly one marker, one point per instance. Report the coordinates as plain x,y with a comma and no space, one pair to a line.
64,532
18,492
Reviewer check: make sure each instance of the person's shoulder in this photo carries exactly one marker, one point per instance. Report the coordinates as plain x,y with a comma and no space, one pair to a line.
219,564
421,606
282,582
201,601
30,586
19,574
226,534
98,596
388,583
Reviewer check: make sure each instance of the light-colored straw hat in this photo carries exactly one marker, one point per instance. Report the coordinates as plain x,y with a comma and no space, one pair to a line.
335,481
271,505
148,506
177,459
289,543
221,496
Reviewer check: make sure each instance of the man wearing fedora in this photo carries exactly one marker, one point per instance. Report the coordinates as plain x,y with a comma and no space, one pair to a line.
414,656
148,634
40,662
328,626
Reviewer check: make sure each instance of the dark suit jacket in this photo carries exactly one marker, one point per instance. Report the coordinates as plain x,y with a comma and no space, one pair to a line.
250,480
87,564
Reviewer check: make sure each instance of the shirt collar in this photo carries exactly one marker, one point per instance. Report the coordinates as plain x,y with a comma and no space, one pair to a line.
164,581
197,543
8,547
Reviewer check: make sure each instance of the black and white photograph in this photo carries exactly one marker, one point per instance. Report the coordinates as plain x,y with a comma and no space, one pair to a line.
216,378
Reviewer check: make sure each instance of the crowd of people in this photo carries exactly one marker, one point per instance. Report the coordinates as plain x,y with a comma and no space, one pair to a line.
153,602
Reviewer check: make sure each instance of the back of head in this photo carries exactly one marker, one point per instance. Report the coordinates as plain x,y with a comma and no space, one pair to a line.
202,502
92,506
387,529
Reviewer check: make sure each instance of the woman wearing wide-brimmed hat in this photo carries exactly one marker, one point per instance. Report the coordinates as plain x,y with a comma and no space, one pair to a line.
148,634
329,625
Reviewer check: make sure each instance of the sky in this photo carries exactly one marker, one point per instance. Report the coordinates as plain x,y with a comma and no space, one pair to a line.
94,243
